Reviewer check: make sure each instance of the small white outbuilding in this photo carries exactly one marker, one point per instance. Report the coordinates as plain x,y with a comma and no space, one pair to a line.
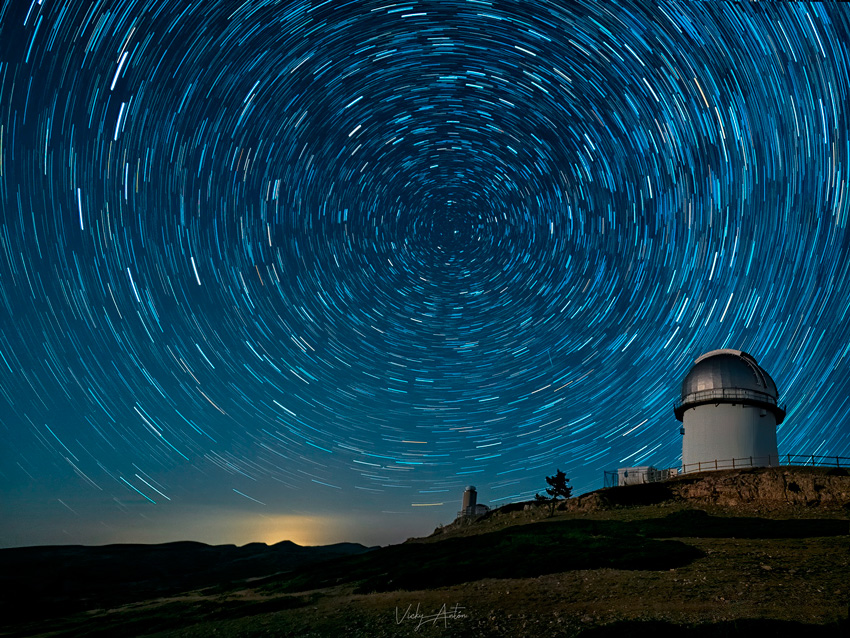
643,474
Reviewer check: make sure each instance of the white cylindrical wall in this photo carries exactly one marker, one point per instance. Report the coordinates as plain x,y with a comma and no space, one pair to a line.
724,435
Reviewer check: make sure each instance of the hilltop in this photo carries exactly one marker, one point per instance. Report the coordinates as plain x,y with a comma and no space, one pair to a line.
726,553
791,492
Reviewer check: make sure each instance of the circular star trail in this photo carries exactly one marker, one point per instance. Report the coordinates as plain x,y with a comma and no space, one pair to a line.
268,254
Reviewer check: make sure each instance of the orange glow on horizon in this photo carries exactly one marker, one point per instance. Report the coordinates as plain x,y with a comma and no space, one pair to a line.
301,530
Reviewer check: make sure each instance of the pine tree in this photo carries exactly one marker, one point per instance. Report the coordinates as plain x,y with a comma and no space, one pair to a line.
558,488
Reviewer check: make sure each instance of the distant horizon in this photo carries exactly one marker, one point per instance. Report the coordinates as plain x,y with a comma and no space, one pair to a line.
380,540
184,541
240,522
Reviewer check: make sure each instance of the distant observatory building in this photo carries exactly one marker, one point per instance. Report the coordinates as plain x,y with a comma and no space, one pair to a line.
729,411
470,505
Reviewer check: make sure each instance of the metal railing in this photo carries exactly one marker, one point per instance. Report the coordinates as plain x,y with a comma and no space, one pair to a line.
812,460
731,464
611,478
725,395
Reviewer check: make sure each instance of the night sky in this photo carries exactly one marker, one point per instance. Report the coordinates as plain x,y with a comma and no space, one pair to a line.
303,270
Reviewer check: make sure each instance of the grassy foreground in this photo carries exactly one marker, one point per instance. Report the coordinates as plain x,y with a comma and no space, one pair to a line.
662,569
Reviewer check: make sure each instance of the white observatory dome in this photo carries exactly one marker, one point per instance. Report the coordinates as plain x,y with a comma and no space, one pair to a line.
729,409
729,376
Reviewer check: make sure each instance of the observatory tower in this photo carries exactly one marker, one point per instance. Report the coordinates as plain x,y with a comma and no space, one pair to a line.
729,412
470,500
471,506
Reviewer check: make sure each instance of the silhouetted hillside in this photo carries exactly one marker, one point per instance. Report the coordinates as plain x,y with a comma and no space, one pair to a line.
524,551
54,580
726,554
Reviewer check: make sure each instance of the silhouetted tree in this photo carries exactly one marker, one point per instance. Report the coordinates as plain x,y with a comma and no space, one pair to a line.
558,488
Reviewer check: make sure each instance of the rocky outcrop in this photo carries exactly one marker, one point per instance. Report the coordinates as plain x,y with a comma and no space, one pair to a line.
775,487
788,485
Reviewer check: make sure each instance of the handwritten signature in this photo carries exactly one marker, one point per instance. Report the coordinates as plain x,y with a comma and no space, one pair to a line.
444,614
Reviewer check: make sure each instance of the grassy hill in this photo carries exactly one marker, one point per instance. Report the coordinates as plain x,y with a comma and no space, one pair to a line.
704,555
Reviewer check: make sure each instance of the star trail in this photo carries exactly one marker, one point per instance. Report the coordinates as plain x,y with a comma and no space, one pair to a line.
273,269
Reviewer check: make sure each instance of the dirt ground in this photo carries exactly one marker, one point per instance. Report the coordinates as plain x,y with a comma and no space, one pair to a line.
778,586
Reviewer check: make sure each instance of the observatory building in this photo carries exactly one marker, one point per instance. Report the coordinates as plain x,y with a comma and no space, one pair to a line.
729,411
470,505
